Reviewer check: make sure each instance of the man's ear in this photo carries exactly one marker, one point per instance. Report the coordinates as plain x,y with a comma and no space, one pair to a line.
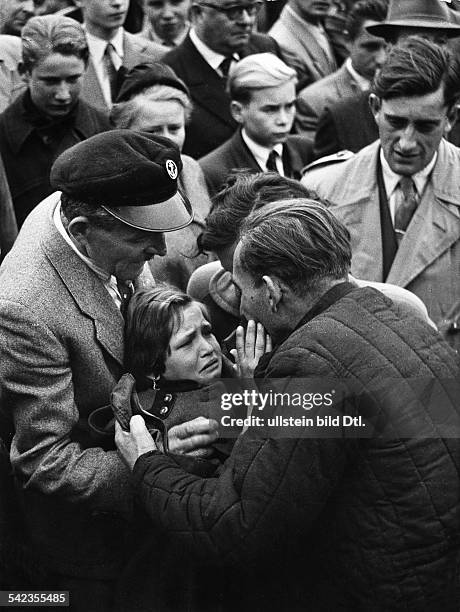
236,109
79,229
274,292
452,114
376,104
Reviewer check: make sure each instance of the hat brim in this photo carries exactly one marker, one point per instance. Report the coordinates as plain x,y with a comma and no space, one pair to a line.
168,216
389,27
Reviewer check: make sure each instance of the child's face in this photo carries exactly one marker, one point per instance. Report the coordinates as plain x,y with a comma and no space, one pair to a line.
193,352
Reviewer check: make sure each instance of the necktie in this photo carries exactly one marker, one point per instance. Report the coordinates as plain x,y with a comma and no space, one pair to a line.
405,207
271,162
224,66
125,289
110,70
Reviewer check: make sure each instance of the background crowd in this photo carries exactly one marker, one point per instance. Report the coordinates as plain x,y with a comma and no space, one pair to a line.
188,143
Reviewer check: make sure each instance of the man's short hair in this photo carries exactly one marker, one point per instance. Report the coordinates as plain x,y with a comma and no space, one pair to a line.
257,71
42,36
240,196
299,241
96,215
417,67
365,10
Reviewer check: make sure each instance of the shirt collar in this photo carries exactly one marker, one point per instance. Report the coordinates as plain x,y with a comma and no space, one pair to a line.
211,57
360,81
259,152
391,179
97,45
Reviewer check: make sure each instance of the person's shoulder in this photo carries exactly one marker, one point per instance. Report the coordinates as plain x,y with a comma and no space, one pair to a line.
318,87
144,46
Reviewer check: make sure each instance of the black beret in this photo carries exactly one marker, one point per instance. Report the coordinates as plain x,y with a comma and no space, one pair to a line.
132,175
146,75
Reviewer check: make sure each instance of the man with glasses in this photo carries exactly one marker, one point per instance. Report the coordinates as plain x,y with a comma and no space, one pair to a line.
221,34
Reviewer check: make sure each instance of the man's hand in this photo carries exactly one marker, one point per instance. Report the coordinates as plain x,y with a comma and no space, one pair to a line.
250,349
193,438
135,442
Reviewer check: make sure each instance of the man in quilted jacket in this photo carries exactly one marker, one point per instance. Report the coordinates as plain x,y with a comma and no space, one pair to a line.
357,505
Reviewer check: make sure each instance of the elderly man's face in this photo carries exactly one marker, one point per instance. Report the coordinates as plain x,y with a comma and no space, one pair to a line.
221,32
122,251
167,17
411,129
15,14
55,83
254,302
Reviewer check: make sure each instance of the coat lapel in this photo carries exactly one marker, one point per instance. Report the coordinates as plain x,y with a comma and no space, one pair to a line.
206,85
91,90
87,290
434,228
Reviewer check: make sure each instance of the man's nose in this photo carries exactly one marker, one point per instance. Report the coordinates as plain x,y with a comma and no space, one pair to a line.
167,12
28,7
381,57
157,246
407,140
62,92
245,18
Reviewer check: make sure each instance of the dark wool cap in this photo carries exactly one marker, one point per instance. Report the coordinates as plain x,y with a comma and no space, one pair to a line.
132,175
146,75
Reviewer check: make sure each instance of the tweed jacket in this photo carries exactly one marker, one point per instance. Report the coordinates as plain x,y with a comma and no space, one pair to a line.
61,353
137,50
324,521
300,49
234,154
211,122
428,259
314,99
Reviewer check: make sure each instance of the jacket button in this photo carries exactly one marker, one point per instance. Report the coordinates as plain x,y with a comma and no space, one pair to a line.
164,410
168,397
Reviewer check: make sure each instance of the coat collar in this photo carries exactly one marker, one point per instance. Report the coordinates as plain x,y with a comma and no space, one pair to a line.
85,287
18,129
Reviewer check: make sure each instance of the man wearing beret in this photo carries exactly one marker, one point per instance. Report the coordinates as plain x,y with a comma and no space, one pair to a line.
62,291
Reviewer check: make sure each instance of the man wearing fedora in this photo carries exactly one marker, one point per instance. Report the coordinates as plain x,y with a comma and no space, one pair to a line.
63,289
399,196
349,123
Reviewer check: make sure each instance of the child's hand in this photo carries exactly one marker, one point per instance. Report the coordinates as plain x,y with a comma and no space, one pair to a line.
250,349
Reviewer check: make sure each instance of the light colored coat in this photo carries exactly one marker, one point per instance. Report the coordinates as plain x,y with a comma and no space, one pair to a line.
314,99
61,353
137,50
428,259
300,48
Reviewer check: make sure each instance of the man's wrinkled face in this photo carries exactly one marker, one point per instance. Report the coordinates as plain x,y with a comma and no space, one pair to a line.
15,14
367,52
411,129
55,83
219,32
122,251
168,18
254,299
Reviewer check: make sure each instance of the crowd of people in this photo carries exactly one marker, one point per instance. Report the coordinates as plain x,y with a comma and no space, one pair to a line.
230,304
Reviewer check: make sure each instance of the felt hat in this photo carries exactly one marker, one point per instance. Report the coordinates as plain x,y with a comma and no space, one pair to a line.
417,14
146,75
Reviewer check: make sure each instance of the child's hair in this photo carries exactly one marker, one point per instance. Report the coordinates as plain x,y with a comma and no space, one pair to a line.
152,316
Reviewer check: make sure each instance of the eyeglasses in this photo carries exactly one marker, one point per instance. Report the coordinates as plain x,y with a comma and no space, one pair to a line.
235,11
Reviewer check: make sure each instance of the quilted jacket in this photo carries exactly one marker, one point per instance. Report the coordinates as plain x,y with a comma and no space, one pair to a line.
332,523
